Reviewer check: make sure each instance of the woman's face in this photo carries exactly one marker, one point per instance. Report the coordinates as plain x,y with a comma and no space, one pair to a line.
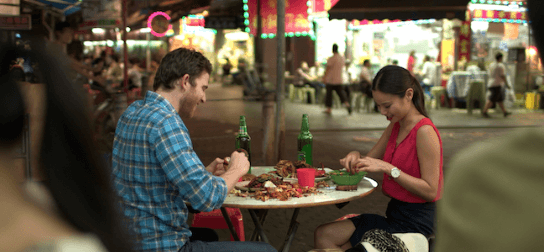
392,106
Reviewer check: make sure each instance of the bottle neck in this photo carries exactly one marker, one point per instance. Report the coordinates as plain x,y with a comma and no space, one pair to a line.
305,126
243,130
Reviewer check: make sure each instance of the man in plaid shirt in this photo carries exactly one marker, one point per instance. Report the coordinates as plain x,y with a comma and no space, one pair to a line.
155,169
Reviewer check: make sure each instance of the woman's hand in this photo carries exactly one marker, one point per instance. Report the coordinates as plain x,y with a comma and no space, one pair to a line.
369,164
352,158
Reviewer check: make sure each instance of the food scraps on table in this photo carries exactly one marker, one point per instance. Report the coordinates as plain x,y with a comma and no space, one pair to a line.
283,191
248,177
287,169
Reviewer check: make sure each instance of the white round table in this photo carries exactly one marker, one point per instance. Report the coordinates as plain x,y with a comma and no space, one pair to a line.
327,196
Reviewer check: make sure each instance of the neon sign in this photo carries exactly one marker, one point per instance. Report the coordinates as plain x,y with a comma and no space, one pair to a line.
150,19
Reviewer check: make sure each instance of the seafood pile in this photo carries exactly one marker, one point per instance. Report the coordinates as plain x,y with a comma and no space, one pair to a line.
288,169
259,181
281,192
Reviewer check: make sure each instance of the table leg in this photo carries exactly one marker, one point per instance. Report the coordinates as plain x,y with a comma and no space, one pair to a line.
262,218
258,226
290,238
229,223
291,231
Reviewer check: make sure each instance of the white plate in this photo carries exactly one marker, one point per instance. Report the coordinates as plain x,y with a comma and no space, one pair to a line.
327,170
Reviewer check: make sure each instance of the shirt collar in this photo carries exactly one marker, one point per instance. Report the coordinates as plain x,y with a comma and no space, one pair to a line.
152,97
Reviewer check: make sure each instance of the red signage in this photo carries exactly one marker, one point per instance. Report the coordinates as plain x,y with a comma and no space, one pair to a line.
464,41
296,16
22,22
194,21
323,5
501,15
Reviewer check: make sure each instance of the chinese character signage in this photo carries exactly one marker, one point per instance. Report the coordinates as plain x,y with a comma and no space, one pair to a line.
499,15
296,16
22,22
464,41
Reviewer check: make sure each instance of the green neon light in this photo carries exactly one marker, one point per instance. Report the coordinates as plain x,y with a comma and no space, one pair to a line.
304,33
247,29
264,36
309,3
246,22
271,35
245,7
246,15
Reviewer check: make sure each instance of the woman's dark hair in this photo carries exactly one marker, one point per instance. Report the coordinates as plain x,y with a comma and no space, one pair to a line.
334,48
75,173
177,63
396,80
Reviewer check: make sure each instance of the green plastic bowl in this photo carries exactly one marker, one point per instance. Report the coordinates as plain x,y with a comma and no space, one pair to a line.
344,178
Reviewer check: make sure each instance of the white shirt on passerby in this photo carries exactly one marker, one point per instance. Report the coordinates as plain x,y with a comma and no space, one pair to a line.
365,74
429,72
335,69
496,70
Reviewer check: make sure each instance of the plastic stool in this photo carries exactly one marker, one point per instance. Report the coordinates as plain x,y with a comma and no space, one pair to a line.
292,92
215,220
476,92
302,93
436,93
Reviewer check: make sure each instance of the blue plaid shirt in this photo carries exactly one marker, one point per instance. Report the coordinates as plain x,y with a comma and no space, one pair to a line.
155,170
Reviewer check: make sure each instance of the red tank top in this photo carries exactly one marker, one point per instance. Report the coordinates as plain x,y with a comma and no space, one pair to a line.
404,157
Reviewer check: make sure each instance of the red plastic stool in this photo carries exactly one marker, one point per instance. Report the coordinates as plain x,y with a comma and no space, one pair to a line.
215,220
347,216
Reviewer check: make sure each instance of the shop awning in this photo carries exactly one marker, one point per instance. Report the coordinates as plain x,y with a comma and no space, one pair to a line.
399,9
65,7
139,11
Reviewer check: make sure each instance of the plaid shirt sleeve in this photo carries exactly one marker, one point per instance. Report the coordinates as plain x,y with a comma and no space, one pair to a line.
183,168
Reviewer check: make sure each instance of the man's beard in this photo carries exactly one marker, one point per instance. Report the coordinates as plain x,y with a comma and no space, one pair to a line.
187,107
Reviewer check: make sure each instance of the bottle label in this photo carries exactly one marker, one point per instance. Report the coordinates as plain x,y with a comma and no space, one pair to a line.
306,154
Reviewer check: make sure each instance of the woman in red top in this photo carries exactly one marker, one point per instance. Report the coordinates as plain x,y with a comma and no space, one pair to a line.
411,62
409,153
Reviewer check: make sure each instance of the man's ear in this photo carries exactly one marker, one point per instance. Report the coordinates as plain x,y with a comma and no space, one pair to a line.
184,82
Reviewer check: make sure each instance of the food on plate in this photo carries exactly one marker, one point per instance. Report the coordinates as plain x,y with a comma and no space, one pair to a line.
285,192
287,169
258,182
248,177
346,187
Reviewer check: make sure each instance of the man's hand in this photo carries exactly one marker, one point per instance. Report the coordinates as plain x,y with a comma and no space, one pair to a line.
239,162
217,167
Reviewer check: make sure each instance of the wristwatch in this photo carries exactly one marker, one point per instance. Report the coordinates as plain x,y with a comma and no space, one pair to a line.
395,172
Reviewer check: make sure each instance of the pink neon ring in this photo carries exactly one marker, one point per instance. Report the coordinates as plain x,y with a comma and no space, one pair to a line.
152,16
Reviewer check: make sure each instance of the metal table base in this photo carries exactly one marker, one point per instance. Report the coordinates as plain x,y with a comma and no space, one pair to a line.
258,221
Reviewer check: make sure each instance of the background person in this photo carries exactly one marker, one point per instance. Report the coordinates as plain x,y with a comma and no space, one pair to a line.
84,213
304,78
155,169
493,197
411,62
333,80
409,153
497,82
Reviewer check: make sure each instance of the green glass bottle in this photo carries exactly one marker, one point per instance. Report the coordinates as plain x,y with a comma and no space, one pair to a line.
305,142
243,140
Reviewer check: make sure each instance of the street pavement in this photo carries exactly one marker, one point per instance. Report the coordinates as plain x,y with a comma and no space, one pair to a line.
215,125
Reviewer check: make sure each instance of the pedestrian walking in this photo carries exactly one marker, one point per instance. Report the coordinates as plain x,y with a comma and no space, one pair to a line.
333,80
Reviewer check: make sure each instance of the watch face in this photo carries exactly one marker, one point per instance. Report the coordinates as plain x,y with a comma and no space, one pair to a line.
395,172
